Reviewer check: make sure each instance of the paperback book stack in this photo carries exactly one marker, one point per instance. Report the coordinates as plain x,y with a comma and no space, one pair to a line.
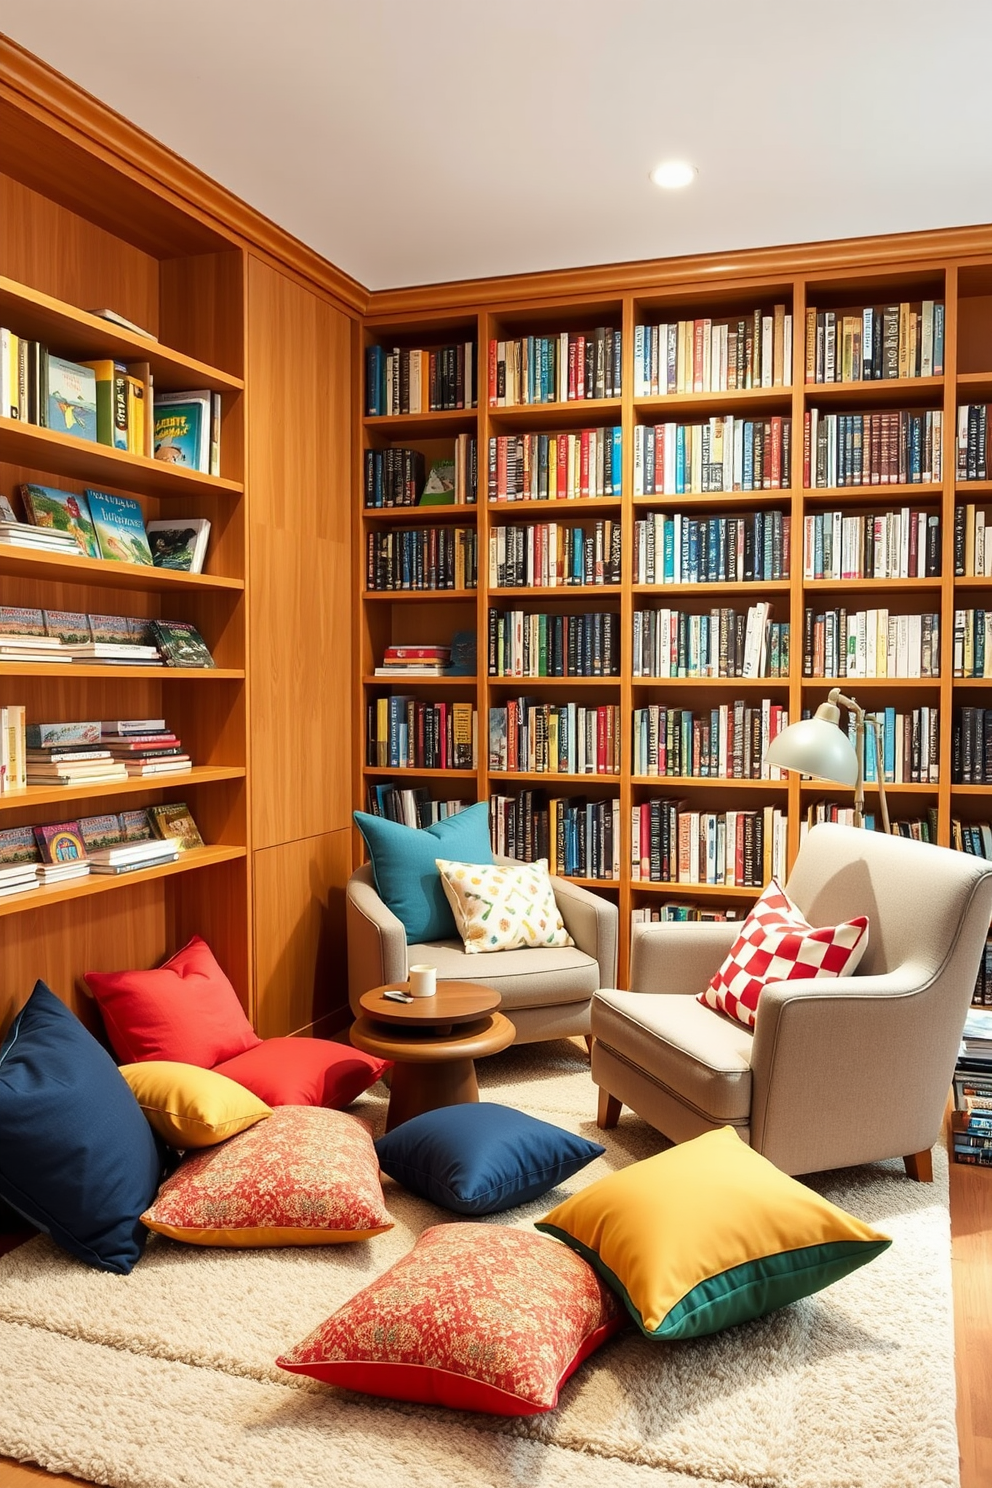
69,754
15,534
971,1121
110,850
414,661
144,746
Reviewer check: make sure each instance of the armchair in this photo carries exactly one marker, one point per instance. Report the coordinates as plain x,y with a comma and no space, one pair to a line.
837,1071
546,992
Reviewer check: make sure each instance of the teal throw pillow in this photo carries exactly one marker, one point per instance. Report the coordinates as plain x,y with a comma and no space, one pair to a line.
405,870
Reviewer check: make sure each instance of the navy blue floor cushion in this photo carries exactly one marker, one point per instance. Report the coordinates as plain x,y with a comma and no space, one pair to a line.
77,1157
477,1159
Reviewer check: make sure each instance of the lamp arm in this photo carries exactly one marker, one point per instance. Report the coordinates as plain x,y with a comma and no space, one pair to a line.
862,721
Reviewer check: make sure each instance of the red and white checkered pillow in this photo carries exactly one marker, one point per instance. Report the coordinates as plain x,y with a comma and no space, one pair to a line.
777,944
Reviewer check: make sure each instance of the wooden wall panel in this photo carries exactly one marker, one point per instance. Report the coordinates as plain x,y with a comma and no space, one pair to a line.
300,970
299,468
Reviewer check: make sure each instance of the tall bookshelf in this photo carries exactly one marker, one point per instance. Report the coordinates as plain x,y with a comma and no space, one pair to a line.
953,269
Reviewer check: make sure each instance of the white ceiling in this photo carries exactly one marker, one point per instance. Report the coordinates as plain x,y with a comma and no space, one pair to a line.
411,141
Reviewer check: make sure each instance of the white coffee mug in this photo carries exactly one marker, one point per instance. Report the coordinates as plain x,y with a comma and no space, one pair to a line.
423,981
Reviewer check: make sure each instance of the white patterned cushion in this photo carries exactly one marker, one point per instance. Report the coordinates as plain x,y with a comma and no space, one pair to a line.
498,908
777,944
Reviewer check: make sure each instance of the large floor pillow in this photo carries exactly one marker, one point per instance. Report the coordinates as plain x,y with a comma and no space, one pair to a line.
304,1072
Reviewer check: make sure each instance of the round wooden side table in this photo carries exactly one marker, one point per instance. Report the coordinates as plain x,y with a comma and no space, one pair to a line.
433,1043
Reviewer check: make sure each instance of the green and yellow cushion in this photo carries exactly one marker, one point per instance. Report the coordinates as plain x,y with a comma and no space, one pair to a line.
500,907
709,1234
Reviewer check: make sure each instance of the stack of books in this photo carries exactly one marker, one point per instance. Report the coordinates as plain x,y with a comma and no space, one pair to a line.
144,746
18,878
414,661
14,534
971,1120
31,648
124,843
127,857
69,754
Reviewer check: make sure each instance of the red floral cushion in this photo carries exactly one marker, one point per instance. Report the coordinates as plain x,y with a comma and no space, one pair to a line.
778,944
184,1010
305,1176
478,1317
304,1071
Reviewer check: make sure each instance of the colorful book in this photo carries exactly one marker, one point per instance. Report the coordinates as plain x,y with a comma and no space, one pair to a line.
111,401
181,644
137,825
182,429
180,544
47,735
71,627
111,628
18,845
16,620
174,819
120,528
71,398
439,488
101,831
65,511
60,842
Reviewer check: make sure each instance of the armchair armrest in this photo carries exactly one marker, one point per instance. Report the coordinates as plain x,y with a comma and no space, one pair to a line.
591,921
679,955
376,939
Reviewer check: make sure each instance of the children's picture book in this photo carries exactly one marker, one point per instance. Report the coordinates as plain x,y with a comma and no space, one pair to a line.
65,511
71,398
53,735
60,842
116,628
120,528
179,544
137,825
175,820
182,429
18,845
101,831
439,488
15,620
71,627
181,644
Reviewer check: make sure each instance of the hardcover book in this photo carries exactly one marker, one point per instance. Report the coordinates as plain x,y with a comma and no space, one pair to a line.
101,831
120,528
47,735
18,845
175,820
137,825
65,511
183,428
181,644
71,627
113,628
180,544
18,621
60,842
71,398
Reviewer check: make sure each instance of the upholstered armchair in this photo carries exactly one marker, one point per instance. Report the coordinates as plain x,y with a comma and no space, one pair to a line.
546,992
836,1071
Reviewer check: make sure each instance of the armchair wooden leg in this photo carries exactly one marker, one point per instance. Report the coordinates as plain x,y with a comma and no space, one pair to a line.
609,1110
588,1039
919,1165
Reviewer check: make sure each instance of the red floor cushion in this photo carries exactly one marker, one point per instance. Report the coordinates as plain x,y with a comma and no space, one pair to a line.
304,1072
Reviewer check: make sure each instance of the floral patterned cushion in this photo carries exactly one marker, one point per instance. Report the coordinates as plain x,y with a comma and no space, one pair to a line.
478,1317
498,908
304,1176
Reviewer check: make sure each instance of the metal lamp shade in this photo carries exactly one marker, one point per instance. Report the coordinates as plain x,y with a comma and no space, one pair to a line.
815,747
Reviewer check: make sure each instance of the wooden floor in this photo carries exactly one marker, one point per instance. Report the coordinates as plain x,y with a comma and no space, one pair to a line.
971,1263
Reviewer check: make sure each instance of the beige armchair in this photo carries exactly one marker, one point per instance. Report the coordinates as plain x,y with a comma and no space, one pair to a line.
546,992
838,1071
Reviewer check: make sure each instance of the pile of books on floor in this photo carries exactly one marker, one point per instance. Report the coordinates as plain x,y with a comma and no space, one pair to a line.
971,1119
402,662
144,746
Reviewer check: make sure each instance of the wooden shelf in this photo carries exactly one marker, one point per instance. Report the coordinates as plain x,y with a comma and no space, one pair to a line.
892,788
578,413
722,782
101,883
556,777
749,683
370,681
410,771
16,563
757,587
769,400
76,334
712,500
694,890
587,504
978,487
84,460
45,795
878,586
847,684
558,591
900,391
421,516
402,426
401,595
590,883
80,669
522,682
874,496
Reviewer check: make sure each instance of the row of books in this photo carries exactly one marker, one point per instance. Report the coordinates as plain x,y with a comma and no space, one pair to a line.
910,745
63,636
422,558
412,380
872,449
565,738
411,806
971,1119
678,548
714,356
522,644
559,368
870,643
722,454
740,849
52,852
406,733
99,525
556,467
549,555
917,829
395,477
972,444
972,643
677,910
903,544
880,341
728,742
971,747
90,753
974,837
579,838
723,642
972,551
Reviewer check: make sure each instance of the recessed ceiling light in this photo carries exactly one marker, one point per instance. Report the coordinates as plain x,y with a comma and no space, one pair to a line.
674,173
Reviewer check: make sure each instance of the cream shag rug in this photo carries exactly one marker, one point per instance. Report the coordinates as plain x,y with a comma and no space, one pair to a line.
166,1377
